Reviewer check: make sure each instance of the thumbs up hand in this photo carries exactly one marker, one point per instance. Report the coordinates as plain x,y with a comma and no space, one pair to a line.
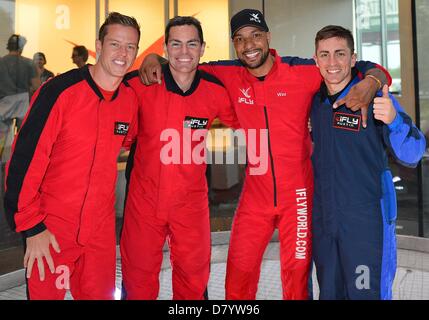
383,107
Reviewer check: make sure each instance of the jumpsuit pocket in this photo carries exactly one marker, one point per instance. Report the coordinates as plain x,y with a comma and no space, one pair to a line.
388,200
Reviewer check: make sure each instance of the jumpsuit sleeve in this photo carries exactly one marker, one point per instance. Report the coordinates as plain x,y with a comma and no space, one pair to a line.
312,72
29,161
404,140
226,113
364,66
308,71
220,69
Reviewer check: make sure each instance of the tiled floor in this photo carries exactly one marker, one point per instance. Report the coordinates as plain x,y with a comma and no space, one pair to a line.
411,283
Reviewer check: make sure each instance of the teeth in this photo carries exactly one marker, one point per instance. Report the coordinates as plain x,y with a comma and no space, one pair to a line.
119,62
252,54
333,71
184,60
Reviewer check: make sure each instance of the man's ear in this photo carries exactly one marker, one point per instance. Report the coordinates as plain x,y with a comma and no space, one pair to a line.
354,58
98,47
269,37
165,50
203,49
315,60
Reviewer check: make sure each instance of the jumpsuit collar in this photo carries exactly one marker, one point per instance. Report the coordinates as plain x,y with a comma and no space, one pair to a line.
172,86
87,76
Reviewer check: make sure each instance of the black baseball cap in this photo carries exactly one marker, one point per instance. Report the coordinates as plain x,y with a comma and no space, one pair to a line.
246,18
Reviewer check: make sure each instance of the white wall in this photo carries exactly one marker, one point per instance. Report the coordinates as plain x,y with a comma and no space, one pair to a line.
294,23
7,25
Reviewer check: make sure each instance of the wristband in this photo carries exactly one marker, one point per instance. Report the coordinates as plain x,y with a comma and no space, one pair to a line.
376,79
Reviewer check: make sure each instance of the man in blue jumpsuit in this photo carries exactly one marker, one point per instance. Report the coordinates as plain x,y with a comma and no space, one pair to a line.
354,245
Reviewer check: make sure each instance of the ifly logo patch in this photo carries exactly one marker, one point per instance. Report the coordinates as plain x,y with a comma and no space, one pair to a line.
247,98
347,121
121,128
195,123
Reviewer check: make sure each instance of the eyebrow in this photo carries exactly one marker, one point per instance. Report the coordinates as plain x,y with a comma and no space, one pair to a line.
191,40
326,51
238,34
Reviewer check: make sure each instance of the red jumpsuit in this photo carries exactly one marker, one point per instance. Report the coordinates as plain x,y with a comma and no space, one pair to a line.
280,197
62,175
168,200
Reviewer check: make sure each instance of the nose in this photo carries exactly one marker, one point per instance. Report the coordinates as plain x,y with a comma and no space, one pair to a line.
123,50
184,49
332,60
248,42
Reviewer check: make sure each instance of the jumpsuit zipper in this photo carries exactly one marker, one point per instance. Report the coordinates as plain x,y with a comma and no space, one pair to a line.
271,157
92,166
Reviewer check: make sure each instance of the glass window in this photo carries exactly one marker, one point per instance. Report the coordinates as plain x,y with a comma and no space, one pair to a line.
377,39
377,36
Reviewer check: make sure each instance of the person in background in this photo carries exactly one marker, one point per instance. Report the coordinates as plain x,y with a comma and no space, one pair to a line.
79,56
39,60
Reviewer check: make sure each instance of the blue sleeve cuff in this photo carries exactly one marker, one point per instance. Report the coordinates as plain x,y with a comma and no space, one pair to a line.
397,122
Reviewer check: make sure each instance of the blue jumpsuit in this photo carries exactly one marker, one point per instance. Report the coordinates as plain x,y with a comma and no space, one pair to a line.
354,245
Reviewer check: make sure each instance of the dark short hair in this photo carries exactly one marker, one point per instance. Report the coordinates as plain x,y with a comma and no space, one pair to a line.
332,31
182,21
16,42
82,51
118,18
41,54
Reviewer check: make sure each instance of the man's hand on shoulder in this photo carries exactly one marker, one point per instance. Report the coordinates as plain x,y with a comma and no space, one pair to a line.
150,69
359,97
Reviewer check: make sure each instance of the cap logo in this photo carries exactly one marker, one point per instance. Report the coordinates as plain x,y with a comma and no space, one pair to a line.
255,17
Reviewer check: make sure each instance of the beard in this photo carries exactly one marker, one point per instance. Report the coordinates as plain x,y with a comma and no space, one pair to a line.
257,64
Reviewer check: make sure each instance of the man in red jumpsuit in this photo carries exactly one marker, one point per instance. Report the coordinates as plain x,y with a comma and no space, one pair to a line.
167,197
272,93
60,183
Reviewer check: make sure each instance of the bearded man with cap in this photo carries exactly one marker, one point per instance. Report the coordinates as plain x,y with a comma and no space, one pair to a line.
273,94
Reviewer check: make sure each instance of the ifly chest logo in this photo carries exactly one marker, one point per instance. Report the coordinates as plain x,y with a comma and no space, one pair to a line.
195,123
121,128
347,121
245,97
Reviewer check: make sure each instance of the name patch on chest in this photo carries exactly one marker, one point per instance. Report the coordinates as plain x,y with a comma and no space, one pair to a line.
195,123
121,128
347,121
